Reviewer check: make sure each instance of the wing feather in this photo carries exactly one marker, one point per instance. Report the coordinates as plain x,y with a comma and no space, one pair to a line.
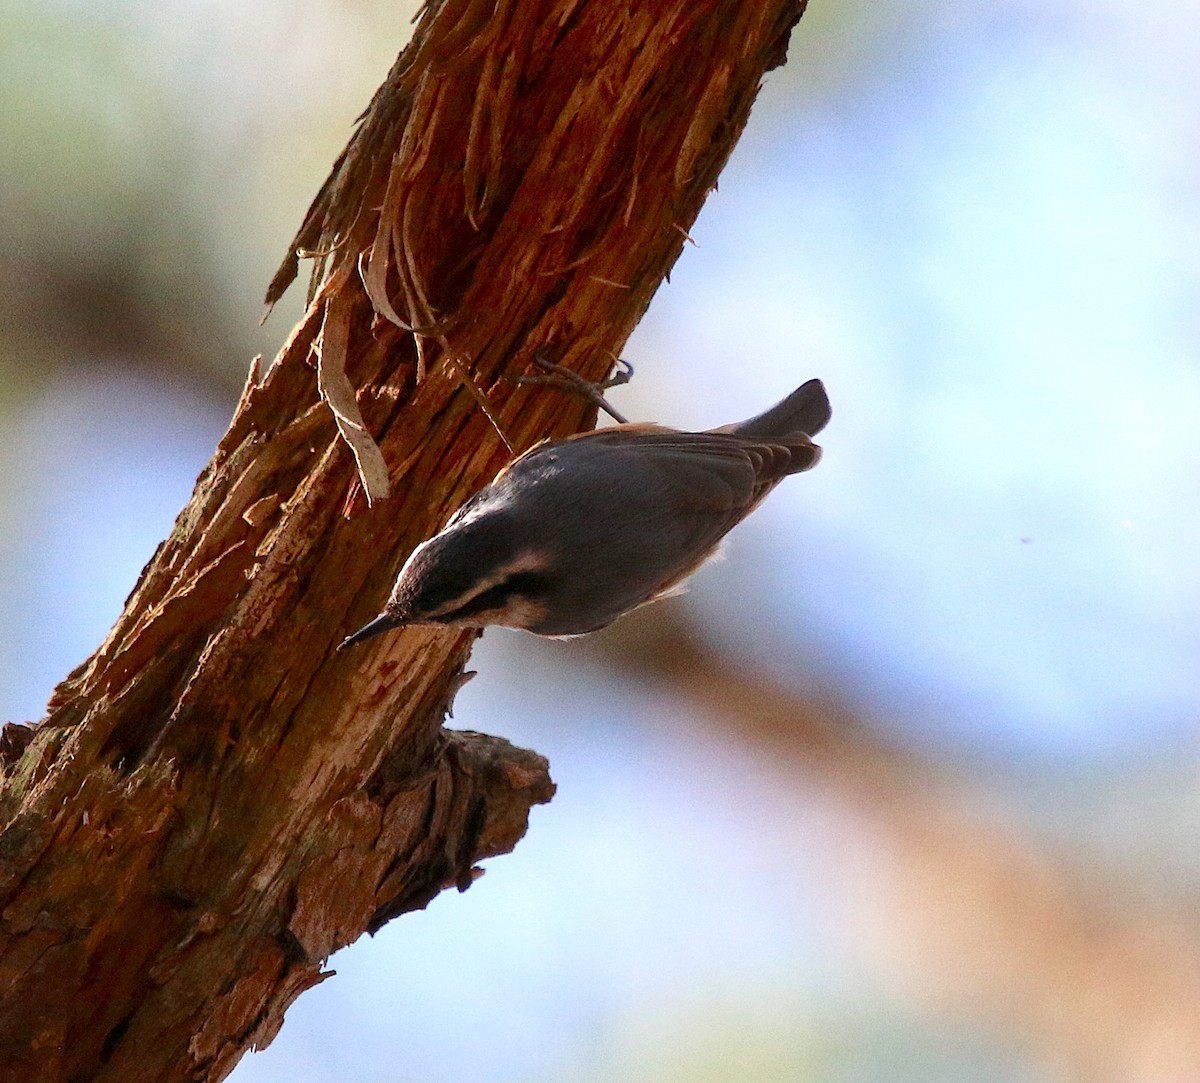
641,506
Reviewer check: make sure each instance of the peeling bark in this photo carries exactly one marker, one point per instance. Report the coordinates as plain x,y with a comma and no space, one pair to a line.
216,800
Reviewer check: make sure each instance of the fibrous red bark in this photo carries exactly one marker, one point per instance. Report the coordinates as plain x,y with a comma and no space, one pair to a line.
216,800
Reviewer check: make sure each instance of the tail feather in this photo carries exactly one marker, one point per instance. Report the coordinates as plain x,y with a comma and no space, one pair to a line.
805,410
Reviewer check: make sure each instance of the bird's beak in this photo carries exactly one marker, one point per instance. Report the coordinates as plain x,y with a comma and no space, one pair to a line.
382,623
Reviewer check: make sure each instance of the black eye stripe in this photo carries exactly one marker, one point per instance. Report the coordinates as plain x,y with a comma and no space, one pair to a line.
492,598
524,584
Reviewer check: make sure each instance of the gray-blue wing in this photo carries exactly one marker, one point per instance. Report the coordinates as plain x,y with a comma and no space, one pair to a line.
644,507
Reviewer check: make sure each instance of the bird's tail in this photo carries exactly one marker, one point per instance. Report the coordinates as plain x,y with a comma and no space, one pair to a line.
805,410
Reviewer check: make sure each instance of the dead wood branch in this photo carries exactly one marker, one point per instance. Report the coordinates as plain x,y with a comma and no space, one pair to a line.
216,801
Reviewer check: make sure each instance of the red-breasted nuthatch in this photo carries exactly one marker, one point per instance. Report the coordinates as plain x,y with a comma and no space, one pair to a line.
576,532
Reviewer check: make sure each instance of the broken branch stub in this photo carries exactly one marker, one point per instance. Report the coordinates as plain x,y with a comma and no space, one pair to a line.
216,799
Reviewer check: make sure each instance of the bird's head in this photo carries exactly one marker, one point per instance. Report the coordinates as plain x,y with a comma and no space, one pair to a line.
473,574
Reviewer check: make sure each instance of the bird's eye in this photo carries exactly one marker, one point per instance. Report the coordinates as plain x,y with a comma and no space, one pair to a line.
519,585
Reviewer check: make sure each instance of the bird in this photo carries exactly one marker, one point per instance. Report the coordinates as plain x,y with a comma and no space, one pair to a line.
578,531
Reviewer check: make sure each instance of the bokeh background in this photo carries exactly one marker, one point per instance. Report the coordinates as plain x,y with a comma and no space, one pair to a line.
906,788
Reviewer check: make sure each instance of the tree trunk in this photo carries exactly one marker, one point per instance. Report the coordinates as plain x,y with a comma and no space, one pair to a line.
217,801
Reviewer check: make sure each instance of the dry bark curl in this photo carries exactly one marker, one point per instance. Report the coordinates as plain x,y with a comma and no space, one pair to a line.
216,800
